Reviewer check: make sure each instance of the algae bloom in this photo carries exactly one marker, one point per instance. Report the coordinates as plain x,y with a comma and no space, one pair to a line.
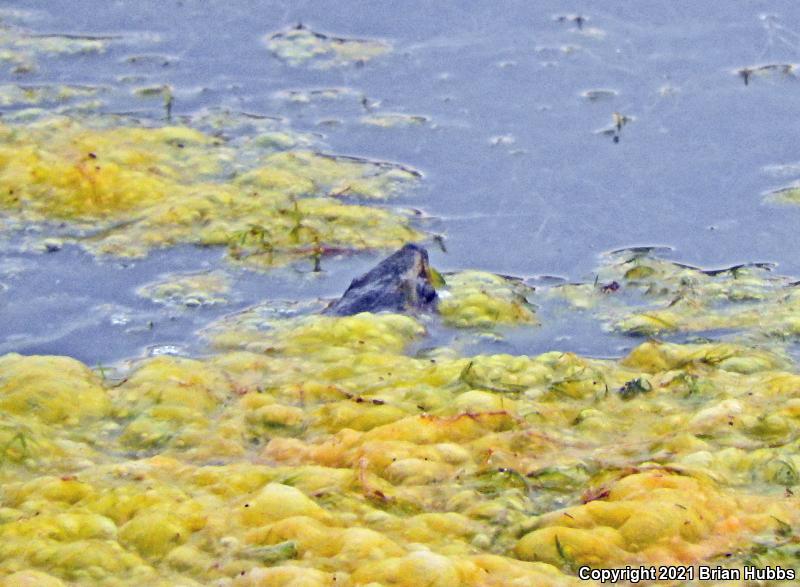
363,446
128,188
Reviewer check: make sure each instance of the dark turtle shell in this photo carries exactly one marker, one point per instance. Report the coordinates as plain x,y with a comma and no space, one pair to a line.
399,283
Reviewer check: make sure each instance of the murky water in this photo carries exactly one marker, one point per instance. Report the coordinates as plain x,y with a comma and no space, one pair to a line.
518,171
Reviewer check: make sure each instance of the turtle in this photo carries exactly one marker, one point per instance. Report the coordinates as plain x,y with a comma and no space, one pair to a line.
402,283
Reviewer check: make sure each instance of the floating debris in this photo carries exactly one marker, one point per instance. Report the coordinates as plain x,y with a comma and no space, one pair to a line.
599,95
502,140
580,23
150,59
773,69
619,121
164,92
577,19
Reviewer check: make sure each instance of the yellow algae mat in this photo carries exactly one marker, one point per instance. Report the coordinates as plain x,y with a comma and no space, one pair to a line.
133,189
330,457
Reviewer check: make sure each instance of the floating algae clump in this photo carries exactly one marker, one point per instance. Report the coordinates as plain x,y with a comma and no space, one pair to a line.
190,290
22,50
301,45
637,292
18,95
314,448
482,300
393,120
789,195
127,189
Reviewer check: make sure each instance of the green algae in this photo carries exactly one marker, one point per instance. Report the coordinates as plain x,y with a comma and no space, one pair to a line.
301,96
637,292
476,299
29,95
164,93
394,120
189,290
301,45
22,50
338,176
789,195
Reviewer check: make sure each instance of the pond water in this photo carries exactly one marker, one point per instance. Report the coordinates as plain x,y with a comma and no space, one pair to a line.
524,172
